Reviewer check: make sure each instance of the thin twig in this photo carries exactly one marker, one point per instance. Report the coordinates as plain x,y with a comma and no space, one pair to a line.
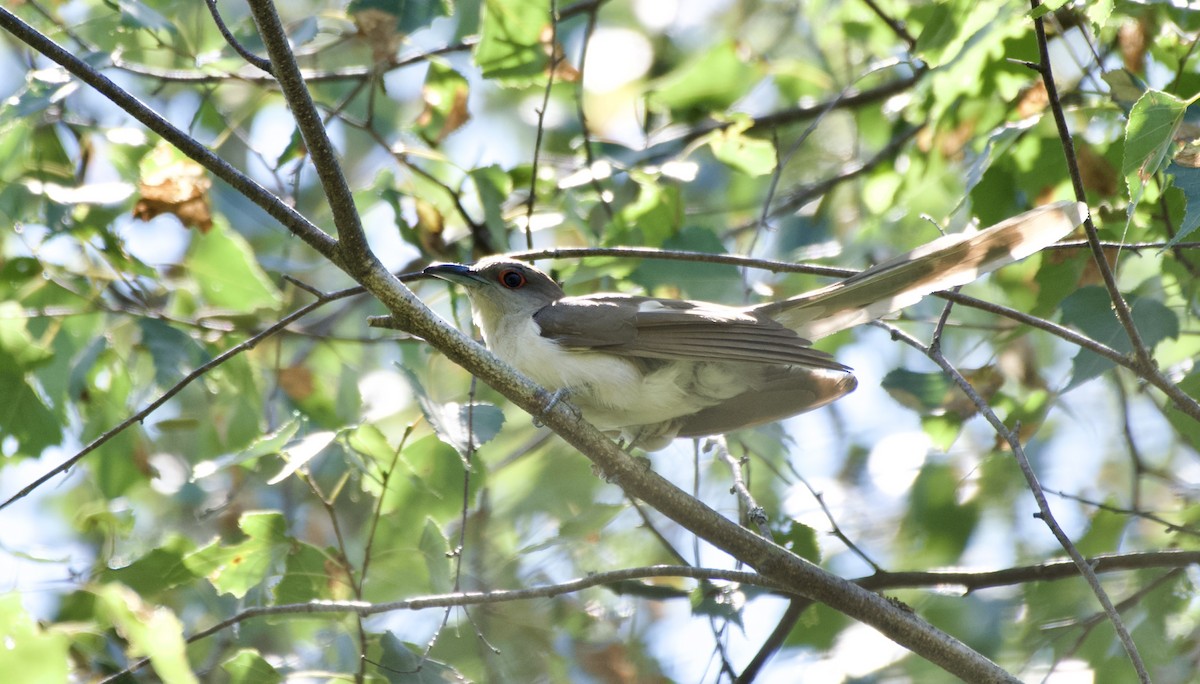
199,372
752,513
253,59
277,209
584,132
356,256
618,580
551,69
1044,512
1120,306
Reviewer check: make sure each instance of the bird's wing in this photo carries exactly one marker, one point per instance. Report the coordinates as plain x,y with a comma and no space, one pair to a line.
785,393
939,265
674,329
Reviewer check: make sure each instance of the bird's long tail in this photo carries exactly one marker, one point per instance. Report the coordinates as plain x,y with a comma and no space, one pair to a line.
947,262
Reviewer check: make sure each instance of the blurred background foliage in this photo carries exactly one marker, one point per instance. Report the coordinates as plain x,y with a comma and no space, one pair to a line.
335,461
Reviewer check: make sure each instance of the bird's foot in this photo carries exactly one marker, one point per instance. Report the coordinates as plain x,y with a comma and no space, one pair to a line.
558,395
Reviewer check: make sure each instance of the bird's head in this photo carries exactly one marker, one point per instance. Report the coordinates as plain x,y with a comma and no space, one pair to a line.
500,288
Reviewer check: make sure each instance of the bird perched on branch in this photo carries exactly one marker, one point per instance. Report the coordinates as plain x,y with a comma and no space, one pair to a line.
650,369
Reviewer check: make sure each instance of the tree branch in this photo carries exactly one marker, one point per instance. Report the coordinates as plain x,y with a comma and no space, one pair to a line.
320,241
1044,512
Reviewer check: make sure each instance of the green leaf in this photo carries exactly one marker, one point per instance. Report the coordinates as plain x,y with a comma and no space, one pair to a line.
723,601
139,15
1150,137
942,430
1187,427
18,350
411,15
1046,8
402,663
366,439
172,350
653,217
445,94
690,279
436,550
238,568
39,655
25,417
1105,531
1090,310
510,49
305,576
248,667
1124,87
271,443
939,524
1187,179
462,426
751,156
713,81
229,277
801,540
151,630
493,186
160,569
297,455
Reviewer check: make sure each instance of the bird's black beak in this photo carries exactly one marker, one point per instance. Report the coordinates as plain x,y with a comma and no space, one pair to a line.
455,273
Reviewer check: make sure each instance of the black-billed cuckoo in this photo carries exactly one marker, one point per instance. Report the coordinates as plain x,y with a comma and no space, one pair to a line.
653,369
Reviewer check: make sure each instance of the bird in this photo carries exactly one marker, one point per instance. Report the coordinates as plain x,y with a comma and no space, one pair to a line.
647,370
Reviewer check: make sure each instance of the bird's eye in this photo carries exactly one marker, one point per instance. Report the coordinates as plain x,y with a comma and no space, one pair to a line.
512,278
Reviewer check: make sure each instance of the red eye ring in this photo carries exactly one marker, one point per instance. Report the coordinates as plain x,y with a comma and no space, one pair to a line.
511,278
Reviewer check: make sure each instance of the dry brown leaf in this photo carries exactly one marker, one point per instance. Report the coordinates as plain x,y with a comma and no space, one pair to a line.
1132,41
296,382
177,187
563,70
456,115
378,28
1033,100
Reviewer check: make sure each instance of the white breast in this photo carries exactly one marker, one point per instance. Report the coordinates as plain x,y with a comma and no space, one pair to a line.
611,391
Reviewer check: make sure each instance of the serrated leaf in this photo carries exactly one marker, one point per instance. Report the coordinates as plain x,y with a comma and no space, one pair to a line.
1150,137
462,426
